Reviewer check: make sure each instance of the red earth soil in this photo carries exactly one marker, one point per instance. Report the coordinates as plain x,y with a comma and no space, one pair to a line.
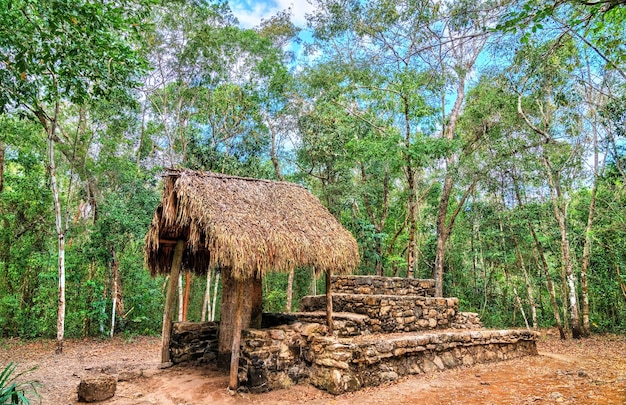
587,371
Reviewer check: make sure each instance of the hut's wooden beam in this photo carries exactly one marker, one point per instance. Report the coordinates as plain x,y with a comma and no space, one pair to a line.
233,380
167,241
329,304
166,333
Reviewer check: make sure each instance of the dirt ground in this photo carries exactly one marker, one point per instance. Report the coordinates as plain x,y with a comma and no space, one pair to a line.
589,371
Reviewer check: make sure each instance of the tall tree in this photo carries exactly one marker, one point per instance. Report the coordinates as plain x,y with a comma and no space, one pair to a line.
384,79
545,97
59,52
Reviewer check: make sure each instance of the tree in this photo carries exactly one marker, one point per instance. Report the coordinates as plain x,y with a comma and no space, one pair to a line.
384,78
560,159
56,53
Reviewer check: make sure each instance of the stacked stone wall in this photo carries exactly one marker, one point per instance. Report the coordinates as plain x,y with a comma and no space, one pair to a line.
278,357
389,313
194,342
375,285
343,365
289,354
466,320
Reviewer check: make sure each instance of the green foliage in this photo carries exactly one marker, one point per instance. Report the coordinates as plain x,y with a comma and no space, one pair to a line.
14,392
366,109
49,52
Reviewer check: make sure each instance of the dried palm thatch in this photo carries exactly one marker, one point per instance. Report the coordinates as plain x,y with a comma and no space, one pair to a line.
247,226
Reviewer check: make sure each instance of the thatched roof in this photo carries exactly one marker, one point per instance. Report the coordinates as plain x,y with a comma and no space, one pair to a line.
248,226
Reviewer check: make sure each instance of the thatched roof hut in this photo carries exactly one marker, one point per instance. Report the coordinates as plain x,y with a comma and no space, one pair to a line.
247,226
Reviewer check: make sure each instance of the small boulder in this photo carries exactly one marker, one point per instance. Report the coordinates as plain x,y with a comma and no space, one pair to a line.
96,388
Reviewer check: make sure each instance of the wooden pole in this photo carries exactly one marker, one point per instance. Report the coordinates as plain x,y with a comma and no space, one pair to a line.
329,304
186,297
217,281
166,333
233,381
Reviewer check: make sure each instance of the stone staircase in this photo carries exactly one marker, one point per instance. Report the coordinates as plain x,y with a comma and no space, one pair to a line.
383,328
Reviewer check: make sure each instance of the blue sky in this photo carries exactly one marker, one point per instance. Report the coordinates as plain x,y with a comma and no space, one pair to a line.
251,12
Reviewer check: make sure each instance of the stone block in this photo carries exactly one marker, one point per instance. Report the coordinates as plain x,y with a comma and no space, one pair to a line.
96,388
277,334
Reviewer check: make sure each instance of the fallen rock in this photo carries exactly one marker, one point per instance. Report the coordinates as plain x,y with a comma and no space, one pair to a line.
96,388
129,375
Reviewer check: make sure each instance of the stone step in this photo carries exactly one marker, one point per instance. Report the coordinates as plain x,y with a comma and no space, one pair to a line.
377,285
391,313
341,365
345,324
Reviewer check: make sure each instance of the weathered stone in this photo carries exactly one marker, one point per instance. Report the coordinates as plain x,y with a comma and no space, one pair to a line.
277,334
439,363
388,376
129,375
428,366
448,359
310,329
384,346
332,363
96,388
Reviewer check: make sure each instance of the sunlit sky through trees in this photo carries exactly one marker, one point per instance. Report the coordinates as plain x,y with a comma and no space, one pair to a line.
251,12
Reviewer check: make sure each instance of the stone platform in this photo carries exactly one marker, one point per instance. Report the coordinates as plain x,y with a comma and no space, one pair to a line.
290,354
378,336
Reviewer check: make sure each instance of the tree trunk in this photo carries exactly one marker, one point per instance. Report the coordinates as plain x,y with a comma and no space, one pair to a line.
289,291
521,307
2,151
549,283
251,312
170,297
443,230
544,265
273,151
410,180
206,305
60,239
584,268
566,255
529,287
116,291
313,284
442,235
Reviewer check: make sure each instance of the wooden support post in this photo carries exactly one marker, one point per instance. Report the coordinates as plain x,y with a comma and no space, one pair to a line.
166,333
329,304
186,297
233,380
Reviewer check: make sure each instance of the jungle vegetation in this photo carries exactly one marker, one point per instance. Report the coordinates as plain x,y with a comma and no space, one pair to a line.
481,144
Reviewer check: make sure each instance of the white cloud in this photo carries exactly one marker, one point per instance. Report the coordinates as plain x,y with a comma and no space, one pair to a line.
250,13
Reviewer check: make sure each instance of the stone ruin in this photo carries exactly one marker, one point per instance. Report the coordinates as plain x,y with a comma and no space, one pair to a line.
383,328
